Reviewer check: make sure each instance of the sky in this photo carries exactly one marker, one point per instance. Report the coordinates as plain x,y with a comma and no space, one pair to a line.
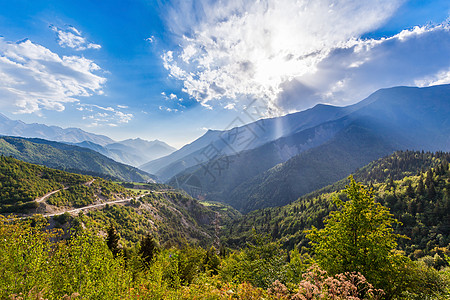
171,70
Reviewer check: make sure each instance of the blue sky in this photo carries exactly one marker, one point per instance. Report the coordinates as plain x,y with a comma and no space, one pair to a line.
169,70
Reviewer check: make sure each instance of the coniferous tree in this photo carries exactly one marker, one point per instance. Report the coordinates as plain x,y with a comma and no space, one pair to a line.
420,189
113,241
149,248
410,190
431,192
212,261
429,178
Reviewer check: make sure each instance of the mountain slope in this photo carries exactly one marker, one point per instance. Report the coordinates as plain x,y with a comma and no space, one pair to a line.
311,170
139,151
254,135
72,135
388,120
400,119
67,157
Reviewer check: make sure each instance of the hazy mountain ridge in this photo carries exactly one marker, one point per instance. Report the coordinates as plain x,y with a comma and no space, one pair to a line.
72,135
70,158
140,150
257,133
131,151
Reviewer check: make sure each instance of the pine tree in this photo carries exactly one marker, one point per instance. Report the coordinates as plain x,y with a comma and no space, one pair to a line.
275,231
429,178
212,261
420,189
112,241
431,192
149,248
410,190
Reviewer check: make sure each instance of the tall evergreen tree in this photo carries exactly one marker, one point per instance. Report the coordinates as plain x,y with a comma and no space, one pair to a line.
431,193
410,190
420,189
149,248
112,240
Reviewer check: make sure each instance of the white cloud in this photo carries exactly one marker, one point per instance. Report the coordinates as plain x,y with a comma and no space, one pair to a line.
415,57
239,49
72,38
35,78
168,109
151,39
172,96
230,106
442,77
100,116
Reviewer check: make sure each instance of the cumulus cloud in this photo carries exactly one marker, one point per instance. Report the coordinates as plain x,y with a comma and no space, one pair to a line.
236,50
72,38
35,78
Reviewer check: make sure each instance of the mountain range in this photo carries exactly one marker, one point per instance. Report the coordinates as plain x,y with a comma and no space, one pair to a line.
312,148
69,158
131,151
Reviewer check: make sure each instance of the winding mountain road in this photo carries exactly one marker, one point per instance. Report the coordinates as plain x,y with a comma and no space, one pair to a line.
41,199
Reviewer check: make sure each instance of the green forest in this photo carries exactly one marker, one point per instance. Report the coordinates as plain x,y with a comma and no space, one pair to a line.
382,233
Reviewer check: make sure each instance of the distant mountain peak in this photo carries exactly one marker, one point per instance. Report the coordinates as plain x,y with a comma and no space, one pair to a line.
54,133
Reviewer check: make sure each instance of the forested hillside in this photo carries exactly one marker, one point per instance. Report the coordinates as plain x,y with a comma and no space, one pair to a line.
415,186
146,208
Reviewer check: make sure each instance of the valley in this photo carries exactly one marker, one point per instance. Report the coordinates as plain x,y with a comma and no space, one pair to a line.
225,150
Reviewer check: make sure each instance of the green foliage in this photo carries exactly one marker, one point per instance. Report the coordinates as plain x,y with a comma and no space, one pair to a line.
359,236
21,183
424,282
82,195
37,264
260,264
173,217
30,259
112,241
149,248
425,221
